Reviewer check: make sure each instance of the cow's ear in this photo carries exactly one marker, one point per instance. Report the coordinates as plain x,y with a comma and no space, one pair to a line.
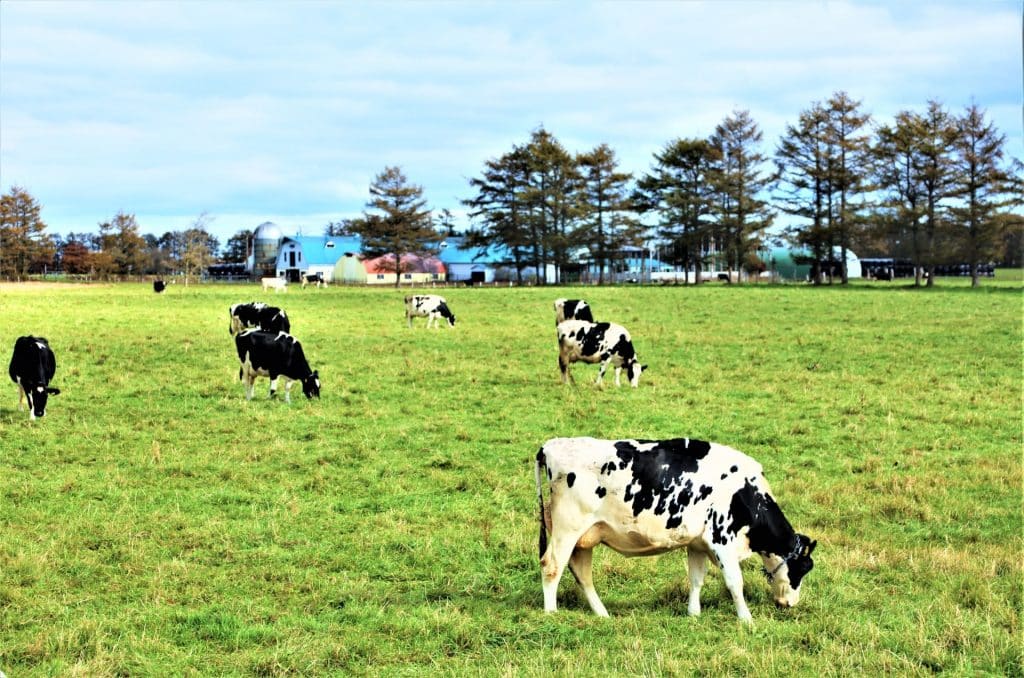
53,391
809,548
316,374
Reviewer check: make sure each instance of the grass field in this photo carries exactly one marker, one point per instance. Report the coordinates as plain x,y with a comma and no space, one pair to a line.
156,523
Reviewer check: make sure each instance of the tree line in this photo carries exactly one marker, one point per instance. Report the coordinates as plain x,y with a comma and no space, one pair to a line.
930,186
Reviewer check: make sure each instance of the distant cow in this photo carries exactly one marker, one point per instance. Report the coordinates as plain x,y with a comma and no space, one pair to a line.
159,286
430,306
276,284
572,309
274,354
32,367
605,343
258,314
645,497
313,279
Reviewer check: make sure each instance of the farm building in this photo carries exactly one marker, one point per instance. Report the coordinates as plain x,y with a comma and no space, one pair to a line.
471,264
301,255
418,270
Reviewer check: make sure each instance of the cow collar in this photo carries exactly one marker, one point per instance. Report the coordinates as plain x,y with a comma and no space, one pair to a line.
770,576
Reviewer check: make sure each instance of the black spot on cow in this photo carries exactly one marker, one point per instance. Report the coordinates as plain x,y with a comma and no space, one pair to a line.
658,472
600,491
591,342
703,494
769,531
733,469
724,476
570,479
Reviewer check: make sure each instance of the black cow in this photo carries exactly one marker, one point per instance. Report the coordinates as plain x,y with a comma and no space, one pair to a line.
258,314
159,286
32,367
274,354
645,497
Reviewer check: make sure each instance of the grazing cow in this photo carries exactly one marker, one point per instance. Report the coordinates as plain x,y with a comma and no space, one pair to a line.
313,279
32,367
159,286
276,284
605,343
645,497
430,306
572,309
274,354
258,314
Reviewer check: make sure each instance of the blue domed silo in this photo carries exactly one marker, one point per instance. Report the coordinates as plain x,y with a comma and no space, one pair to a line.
266,242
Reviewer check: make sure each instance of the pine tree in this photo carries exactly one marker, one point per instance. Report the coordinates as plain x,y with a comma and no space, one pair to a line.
400,225
984,188
24,243
607,225
738,180
501,206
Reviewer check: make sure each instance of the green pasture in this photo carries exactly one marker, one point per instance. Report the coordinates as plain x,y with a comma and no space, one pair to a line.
157,524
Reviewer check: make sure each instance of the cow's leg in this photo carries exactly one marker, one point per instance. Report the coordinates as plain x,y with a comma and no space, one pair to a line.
581,566
733,576
552,565
22,396
288,390
273,385
600,372
563,365
697,564
618,372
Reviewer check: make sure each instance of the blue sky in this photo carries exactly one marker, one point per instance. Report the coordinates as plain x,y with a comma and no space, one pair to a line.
256,111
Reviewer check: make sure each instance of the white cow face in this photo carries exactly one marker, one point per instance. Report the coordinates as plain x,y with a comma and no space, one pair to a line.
37,399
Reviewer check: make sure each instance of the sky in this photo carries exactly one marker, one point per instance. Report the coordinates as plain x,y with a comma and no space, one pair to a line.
258,111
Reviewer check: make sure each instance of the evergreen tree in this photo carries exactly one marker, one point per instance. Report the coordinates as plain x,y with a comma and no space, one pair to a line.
606,225
738,180
400,225
679,189
500,205
236,249
24,244
984,187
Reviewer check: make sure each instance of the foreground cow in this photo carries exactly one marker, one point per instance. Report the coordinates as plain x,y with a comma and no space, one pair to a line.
313,279
572,309
32,367
645,497
269,354
276,284
429,306
258,314
605,343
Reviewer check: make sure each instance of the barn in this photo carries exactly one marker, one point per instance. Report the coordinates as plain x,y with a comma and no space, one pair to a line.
305,255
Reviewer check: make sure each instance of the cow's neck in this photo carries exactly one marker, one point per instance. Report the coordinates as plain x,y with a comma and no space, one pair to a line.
770,532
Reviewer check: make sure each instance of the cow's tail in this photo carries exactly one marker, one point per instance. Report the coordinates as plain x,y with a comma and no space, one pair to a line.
539,477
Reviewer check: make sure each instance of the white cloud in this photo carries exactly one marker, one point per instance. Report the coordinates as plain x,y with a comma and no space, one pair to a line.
168,109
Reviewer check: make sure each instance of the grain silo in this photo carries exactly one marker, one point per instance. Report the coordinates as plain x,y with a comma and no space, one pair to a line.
265,244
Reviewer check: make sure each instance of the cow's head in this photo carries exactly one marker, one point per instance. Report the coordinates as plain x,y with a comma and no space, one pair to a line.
786,577
633,370
311,385
37,398
451,319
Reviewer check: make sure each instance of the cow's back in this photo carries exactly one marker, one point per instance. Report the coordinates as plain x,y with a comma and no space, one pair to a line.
662,493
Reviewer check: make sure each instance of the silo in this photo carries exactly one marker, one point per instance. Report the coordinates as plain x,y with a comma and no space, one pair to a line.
266,241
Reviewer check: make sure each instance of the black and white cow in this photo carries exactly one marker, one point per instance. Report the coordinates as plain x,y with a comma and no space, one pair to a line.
159,286
32,367
605,343
313,279
258,314
274,354
645,497
572,309
430,306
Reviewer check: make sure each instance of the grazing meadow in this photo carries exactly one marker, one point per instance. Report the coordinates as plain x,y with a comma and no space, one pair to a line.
157,523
